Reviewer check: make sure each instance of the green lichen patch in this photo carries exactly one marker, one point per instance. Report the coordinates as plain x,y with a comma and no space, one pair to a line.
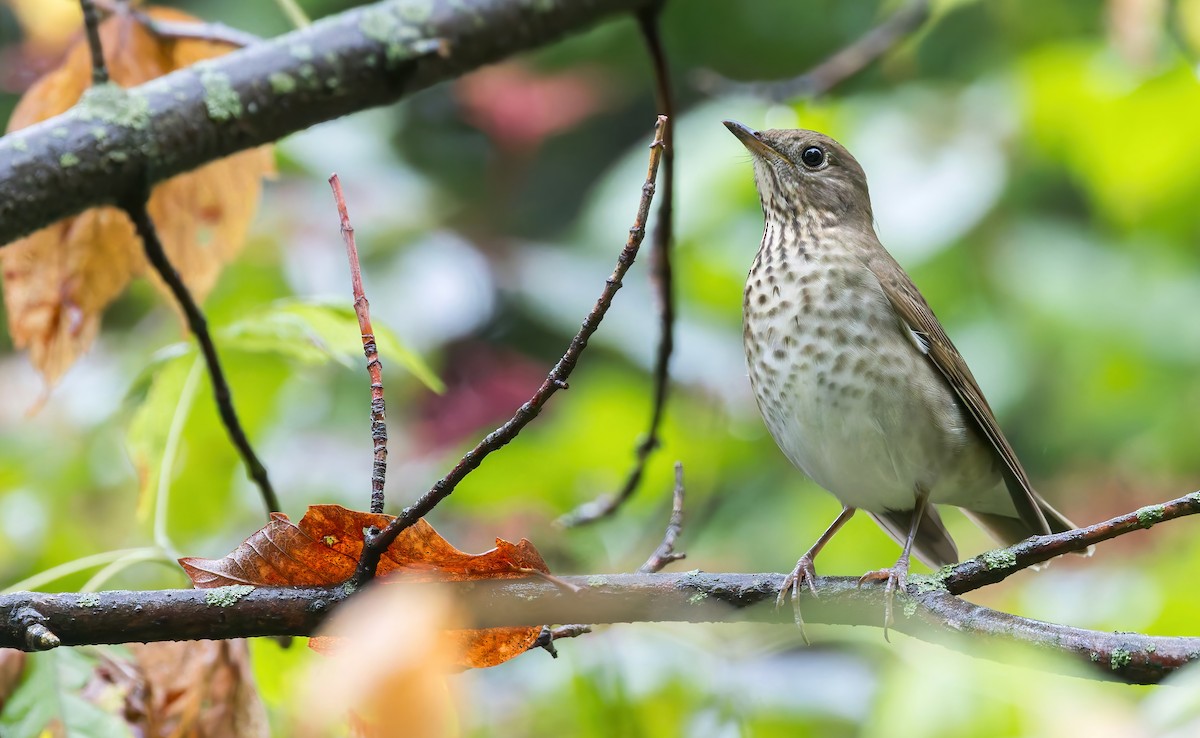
220,99
394,27
282,84
113,104
1000,558
1120,659
20,145
416,11
303,52
226,596
68,160
923,584
910,605
697,598
89,600
1149,515
597,581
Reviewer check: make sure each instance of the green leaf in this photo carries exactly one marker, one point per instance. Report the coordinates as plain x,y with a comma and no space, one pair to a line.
315,333
50,699
169,391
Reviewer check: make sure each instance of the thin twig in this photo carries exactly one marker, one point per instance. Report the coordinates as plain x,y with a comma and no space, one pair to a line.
994,566
840,66
378,541
559,582
663,281
136,209
665,553
217,33
374,368
91,25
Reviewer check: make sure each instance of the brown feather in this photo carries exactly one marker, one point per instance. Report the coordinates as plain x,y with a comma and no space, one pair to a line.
916,315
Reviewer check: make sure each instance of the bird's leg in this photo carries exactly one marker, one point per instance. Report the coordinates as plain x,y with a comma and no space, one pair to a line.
897,576
804,571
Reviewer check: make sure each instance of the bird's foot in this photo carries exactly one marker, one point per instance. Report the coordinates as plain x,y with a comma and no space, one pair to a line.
895,578
804,573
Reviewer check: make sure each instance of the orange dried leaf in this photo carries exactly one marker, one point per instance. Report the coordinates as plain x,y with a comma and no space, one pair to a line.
324,549
58,280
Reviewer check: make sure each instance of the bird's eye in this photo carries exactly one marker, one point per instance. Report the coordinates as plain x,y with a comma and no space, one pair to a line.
812,157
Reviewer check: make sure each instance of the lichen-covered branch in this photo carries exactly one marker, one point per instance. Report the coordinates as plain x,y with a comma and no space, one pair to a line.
34,621
115,141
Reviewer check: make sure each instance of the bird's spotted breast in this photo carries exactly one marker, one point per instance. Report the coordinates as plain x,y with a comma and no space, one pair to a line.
837,382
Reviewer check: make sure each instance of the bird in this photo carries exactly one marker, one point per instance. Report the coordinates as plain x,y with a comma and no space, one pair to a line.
855,377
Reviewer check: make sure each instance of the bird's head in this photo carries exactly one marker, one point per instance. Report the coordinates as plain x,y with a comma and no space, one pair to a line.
800,172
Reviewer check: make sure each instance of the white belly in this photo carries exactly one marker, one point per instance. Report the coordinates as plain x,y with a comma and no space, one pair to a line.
850,400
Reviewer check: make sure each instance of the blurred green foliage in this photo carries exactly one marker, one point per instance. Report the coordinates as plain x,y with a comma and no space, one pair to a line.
1034,165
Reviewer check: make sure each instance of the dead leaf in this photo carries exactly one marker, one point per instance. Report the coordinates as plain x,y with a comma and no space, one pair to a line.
199,689
389,669
58,280
12,665
324,549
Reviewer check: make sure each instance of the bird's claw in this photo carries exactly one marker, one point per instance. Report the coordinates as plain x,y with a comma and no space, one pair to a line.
804,573
894,578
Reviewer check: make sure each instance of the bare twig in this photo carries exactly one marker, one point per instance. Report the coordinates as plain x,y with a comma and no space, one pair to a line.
661,276
377,541
546,576
995,566
135,207
665,553
31,621
842,65
374,368
91,26
218,33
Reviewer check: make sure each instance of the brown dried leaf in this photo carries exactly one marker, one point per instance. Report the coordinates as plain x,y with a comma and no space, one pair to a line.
58,280
12,664
199,689
324,549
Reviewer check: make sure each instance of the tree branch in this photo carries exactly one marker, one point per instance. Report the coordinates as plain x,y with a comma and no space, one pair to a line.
378,541
122,140
33,621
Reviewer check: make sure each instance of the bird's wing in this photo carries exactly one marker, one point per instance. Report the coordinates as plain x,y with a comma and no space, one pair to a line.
918,317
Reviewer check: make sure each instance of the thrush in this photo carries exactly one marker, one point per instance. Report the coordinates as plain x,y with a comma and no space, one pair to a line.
855,377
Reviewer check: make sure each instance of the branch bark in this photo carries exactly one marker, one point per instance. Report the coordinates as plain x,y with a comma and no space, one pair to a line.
34,621
120,140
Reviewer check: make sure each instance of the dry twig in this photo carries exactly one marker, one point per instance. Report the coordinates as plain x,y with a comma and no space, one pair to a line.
374,367
377,541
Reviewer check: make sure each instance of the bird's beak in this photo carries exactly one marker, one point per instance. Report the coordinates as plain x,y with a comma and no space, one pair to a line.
751,139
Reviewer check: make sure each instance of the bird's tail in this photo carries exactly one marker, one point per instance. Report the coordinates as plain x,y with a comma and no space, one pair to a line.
1007,530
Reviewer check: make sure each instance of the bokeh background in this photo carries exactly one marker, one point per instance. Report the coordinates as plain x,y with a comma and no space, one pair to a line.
1034,165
